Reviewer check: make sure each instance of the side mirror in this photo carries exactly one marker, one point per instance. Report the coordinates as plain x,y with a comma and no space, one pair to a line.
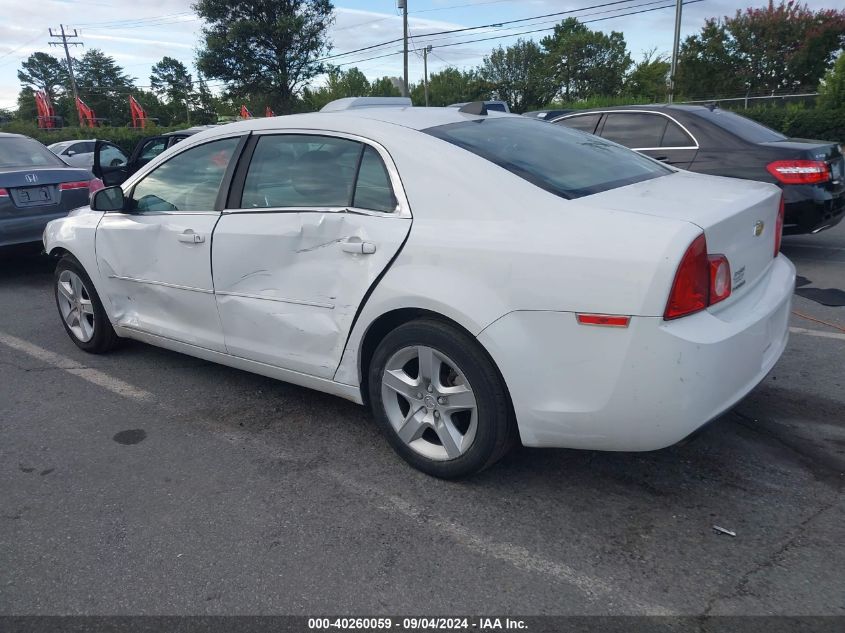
70,152
108,199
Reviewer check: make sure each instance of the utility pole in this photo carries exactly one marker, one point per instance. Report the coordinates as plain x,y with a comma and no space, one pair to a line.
403,4
674,69
426,51
64,37
187,102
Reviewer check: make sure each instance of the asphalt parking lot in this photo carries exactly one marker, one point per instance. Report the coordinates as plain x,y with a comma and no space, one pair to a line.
145,482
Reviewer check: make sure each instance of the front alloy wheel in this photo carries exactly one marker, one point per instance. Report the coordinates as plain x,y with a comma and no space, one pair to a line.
75,305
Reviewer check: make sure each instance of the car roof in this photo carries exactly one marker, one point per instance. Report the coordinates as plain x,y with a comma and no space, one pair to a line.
360,120
10,135
658,107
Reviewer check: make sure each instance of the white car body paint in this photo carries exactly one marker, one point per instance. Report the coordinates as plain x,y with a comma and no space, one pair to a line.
509,262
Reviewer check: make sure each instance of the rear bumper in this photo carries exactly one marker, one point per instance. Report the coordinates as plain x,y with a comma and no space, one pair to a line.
26,228
644,387
813,215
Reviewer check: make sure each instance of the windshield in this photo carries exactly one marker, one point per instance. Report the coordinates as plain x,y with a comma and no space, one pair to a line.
562,161
18,151
745,129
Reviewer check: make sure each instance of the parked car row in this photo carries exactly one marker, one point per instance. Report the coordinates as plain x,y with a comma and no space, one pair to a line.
476,278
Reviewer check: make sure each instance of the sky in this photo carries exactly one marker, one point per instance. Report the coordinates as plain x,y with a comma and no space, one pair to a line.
138,33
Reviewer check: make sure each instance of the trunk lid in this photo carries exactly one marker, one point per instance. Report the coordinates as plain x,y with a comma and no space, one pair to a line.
804,149
738,217
38,187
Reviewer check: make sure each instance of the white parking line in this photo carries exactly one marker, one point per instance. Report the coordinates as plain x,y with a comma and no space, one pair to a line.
70,366
821,333
517,556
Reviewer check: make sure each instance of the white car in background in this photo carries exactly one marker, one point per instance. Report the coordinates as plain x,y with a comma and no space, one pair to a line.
80,153
476,279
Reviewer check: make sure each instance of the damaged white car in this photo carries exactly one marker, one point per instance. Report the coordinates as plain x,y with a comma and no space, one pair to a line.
477,278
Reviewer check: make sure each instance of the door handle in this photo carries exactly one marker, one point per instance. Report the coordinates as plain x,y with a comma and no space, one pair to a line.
189,237
355,245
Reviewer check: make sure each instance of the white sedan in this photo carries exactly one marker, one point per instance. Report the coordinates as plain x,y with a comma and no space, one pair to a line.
475,278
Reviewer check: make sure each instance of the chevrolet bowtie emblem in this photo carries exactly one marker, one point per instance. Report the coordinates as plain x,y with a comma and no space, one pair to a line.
758,228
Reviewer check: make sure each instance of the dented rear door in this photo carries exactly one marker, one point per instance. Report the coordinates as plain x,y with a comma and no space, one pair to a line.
318,220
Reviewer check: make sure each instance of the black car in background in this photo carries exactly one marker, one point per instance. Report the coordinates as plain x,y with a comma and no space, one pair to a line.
145,150
36,186
710,140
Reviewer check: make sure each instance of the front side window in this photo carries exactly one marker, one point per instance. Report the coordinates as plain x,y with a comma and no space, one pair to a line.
634,130
565,162
189,181
584,122
304,171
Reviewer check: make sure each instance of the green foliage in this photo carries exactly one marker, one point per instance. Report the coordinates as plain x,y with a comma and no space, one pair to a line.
349,83
827,124
779,47
519,75
649,77
171,80
103,86
585,63
267,47
122,136
832,89
451,85
384,87
41,71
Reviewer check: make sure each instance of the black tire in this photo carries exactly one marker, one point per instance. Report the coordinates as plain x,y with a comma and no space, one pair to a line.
104,338
494,432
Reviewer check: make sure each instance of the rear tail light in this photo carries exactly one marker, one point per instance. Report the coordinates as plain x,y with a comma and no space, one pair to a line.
68,186
4,193
720,278
95,185
799,172
701,281
779,227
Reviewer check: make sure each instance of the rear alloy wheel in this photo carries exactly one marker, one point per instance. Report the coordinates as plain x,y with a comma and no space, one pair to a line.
439,399
81,310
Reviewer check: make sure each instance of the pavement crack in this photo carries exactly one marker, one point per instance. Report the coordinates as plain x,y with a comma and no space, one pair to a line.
740,587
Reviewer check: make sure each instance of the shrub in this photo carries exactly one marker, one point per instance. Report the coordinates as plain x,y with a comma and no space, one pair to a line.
827,124
124,137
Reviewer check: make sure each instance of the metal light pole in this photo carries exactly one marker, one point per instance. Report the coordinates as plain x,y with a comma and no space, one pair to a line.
426,51
674,69
403,4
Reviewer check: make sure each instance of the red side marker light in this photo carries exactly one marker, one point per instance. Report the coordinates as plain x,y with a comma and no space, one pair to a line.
607,320
4,193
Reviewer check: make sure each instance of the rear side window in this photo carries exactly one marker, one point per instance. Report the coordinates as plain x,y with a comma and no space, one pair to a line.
745,129
565,162
302,171
634,130
676,137
373,189
584,122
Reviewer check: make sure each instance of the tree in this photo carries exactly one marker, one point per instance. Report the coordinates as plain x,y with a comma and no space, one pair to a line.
832,89
451,85
170,79
103,86
586,63
271,47
41,71
707,67
648,79
517,74
784,47
384,87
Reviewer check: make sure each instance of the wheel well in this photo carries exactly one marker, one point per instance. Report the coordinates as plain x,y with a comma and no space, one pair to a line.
388,322
59,252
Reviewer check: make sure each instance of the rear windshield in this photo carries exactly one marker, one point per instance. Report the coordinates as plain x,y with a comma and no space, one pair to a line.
562,161
25,152
745,129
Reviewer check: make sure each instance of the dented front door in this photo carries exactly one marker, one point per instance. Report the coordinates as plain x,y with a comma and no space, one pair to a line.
319,217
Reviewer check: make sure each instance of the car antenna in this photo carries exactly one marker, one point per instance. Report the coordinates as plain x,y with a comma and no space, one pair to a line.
474,107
